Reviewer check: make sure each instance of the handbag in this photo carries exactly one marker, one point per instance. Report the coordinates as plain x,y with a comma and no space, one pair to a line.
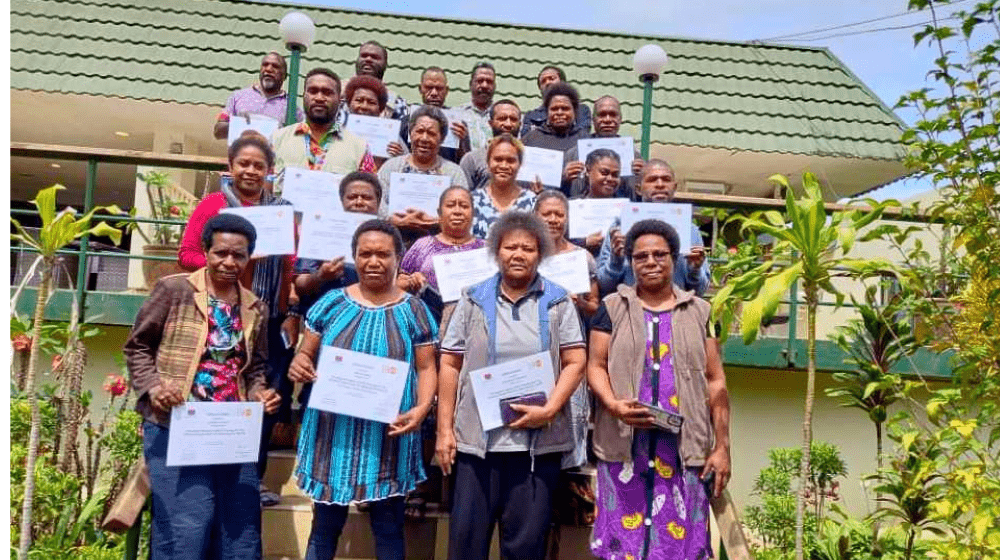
130,501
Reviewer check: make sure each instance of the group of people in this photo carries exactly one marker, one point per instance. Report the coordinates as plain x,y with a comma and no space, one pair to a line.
636,348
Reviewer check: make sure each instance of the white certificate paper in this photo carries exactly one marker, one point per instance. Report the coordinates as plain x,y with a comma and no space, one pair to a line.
275,227
214,433
676,215
260,123
416,190
569,270
453,115
593,215
309,190
516,378
376,131
456,271
622,145
326,235
359,385
546,164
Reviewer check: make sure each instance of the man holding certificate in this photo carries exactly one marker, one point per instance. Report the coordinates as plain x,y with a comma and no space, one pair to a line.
520,329
658,183
607,122
204,338
370,339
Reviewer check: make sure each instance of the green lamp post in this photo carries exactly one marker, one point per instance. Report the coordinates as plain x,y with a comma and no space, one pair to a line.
298,32
648,62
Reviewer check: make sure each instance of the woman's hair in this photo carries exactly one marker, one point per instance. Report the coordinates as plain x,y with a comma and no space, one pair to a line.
365,176
552,193
450,189
654,227
601,153
565,90
255,139
381,226
371,83
228,223
432,112
514,220
505,138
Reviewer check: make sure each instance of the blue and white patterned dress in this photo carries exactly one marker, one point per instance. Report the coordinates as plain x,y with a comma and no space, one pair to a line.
343,459
484,213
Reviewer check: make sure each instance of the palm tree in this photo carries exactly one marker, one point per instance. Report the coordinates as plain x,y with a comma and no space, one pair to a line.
58,230
809,247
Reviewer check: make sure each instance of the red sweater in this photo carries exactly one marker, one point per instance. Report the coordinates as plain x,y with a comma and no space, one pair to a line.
191,256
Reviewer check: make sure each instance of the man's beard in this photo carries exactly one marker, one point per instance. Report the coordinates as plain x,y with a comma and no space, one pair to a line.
268,83
325,119
378,72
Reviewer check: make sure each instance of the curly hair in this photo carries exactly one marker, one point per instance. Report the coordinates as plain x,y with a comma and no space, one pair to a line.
514,220
505,138
370,83
382,226
320,71
370,178
228,223
255,139
654,227
563,89
432,112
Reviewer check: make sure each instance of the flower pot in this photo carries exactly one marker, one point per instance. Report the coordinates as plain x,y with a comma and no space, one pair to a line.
152,271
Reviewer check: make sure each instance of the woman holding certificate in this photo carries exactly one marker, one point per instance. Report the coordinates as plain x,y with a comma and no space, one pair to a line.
503,158
367,96
202,337
661,430
345,458
514,332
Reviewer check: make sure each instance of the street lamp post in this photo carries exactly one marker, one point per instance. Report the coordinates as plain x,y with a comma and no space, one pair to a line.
298,32
648,62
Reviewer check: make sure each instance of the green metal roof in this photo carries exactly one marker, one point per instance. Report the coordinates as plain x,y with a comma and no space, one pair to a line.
739,96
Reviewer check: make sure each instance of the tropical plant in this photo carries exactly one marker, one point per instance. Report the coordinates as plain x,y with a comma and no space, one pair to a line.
163,207
58,230
809,247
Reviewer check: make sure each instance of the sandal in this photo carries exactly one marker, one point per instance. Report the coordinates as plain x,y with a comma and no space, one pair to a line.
416,507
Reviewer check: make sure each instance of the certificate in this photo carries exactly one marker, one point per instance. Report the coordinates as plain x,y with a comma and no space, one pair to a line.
621,145
456,271
376,131
359,385
214,433
676,215
453,115
326,235
261,123
416,190
569,270
593,215
546,164
311,190
515,378
275,227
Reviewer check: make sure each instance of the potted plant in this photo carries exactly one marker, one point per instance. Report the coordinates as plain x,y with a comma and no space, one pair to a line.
164,239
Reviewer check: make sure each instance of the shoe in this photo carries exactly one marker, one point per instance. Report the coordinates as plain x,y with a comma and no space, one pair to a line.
268,498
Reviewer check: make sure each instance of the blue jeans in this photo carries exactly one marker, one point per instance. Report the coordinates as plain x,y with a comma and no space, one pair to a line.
210,511
387,525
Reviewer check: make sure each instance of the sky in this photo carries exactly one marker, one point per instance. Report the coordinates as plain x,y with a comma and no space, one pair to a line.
885,60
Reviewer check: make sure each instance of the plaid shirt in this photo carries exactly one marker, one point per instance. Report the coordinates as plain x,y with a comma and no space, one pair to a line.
169,336
317,150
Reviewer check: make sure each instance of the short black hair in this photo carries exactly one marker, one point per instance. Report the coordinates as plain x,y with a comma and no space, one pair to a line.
432,112
382,226
228,223
433,70
385,51
255,139
559,72
552,193
445,192
564,89
601,153
514,220
370,178
654,227
479,66
322,71
504,102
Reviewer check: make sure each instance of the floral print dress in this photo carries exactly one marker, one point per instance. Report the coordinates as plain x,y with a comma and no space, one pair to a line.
652,508
216,378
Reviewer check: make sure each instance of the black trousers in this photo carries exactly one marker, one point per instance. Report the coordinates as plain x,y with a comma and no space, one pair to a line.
278,360
502,488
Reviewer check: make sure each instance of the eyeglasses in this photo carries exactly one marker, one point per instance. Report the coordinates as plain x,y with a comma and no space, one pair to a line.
658,256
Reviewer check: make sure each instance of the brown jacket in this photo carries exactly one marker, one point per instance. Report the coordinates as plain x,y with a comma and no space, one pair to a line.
626,359
168,340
